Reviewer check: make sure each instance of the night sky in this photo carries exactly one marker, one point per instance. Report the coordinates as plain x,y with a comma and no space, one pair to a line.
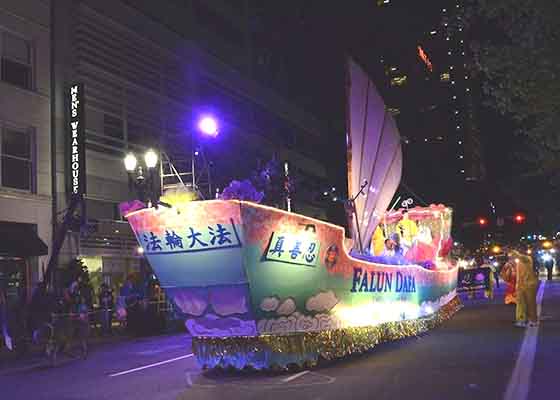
305,46
314,38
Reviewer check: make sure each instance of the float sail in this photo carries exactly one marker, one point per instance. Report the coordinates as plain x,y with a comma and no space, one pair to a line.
374,153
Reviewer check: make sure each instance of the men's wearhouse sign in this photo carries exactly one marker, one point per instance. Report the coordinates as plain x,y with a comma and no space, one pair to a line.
77,160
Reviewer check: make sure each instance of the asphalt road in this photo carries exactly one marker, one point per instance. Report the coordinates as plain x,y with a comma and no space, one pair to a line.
473,356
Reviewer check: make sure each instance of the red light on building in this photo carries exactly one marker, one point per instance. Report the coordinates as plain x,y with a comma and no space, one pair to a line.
519,218
482,221
424,57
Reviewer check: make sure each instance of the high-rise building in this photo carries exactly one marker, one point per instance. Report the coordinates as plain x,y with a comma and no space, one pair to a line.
455,55
126,76
148,72
429,87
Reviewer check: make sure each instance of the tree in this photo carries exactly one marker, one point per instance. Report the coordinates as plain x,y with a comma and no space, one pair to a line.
516,57
270,180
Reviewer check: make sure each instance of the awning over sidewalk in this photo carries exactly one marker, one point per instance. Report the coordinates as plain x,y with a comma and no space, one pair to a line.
20,240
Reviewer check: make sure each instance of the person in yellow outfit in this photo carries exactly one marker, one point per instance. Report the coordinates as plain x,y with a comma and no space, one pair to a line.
526,289
508,275
407,229
377,242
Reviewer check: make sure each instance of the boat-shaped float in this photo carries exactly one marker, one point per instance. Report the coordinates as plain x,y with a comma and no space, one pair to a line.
262,287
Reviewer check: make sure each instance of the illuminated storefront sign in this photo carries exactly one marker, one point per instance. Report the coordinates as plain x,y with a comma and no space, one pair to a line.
293,249
76,163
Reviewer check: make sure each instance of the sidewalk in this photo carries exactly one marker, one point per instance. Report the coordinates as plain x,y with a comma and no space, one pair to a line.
36,352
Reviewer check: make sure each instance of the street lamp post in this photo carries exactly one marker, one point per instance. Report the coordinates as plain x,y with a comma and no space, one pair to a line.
141,176
208,129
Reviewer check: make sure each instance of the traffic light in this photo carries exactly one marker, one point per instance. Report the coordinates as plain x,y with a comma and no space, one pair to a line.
519,218
482,221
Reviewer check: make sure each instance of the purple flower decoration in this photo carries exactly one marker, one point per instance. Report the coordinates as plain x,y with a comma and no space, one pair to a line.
242,190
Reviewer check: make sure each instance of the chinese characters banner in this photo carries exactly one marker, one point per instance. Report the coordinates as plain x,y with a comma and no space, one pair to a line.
191,239
293,249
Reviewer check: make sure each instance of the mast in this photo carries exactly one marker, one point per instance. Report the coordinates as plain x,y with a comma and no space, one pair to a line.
374,157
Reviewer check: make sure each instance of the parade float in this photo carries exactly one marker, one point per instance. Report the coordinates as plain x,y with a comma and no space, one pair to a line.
262,287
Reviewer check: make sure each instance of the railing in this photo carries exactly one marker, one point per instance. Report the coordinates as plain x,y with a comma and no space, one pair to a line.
109,235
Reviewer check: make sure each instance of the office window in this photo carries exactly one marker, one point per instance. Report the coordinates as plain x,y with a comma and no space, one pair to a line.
102,210
137,134
16,153
398,80
15,65
113,127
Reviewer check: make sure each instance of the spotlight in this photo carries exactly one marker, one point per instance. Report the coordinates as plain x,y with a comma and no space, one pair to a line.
209,126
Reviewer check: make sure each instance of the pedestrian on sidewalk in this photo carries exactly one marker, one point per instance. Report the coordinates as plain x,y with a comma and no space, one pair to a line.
106,307
549,265
4,319
495,273
526,289
489,290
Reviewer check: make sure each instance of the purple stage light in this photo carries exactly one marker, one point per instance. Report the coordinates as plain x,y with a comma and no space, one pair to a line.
208,126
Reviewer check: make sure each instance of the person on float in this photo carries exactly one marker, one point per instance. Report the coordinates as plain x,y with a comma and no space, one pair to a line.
393,253
389,250
407,230
422,250
377,241
397,244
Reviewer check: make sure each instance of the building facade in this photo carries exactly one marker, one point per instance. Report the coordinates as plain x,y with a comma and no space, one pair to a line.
429,87
25,147
146,78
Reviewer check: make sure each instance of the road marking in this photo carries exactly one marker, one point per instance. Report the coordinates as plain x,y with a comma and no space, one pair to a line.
520,381
25,368
129,371
291,378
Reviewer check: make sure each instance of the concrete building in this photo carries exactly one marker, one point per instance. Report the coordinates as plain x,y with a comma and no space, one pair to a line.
25,150
146,78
